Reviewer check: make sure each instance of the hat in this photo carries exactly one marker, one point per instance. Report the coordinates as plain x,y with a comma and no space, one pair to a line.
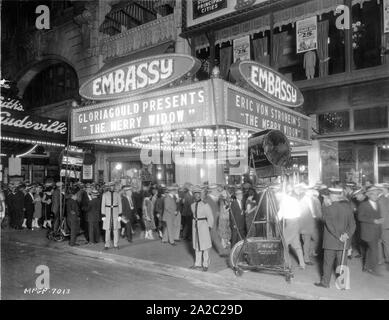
372,189
247,185
212,187
127,187
59,184
301,185
260,186
360,190
335,190
187,185
172,188
95,192
238,191
181,188
197,189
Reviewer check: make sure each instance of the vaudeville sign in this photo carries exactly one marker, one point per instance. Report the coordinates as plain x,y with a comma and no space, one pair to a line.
268,82
139,76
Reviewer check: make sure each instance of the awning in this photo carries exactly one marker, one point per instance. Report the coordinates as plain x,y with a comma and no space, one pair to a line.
159,49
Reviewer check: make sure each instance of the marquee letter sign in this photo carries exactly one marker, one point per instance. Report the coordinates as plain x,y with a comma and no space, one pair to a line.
268,82
138,77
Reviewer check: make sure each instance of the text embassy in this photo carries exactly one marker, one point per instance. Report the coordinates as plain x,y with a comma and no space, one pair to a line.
273,84
133,77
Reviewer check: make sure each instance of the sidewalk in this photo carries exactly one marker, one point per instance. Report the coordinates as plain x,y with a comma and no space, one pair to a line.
175,260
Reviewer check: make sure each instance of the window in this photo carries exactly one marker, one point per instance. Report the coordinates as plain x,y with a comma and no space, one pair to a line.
334,122
367,34
53,84
371,118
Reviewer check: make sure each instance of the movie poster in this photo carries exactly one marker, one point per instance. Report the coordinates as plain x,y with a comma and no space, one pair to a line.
242,48
306,34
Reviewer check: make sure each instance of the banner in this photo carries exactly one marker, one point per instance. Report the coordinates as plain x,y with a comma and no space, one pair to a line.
204,7
386,16
306,34
242,48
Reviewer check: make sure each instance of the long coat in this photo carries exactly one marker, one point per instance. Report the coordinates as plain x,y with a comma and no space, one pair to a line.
383,206
238,220
200,229
111,209
366,215
338,219
129,211
93,210
29,205
170,208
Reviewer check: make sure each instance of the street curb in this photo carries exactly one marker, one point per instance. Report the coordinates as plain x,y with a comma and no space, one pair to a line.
188,274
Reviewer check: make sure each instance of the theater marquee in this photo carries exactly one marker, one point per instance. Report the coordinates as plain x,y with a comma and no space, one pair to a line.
181,107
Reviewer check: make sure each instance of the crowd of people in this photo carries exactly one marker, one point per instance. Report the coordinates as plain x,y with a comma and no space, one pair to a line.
316,220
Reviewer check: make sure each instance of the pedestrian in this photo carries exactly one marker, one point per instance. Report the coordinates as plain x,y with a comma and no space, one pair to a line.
58,199
38,196
169,213
251,206
202,222
237,219
148,216
371,221
383,206
187,212
46,206
28,207
290,211
111,210
356,249
84,197
224,227
308,228
339,226
158,211
15,204
138,202
177,218
129,211
73,216
93,213
211,196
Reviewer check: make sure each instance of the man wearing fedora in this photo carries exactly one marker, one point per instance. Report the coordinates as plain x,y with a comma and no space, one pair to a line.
187,213
202,222
58,193
129,211
383,206
111,210
15,203
338,229
169,216
371,221
73,216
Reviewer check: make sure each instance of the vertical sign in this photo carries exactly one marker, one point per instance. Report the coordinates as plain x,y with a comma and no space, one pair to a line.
386,16
306,34
87,172
242,49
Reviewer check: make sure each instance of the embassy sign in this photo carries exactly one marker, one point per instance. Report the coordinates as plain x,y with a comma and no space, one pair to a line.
268,82
139,76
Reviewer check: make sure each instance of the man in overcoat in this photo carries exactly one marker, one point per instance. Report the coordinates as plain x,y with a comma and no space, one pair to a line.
111,211
202,222
371,221
169,216
93,211
339,226
187,213
29,206
129,211
237,220
73,217
15,202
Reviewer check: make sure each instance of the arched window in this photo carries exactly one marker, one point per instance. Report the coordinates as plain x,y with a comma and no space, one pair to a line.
56,83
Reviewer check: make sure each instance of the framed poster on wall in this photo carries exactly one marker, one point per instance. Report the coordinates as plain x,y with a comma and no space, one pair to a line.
306,34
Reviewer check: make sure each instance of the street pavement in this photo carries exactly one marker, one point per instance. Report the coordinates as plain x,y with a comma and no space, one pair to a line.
148,269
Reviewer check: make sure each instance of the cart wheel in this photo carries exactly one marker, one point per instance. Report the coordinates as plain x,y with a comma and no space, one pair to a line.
238,272
235,253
